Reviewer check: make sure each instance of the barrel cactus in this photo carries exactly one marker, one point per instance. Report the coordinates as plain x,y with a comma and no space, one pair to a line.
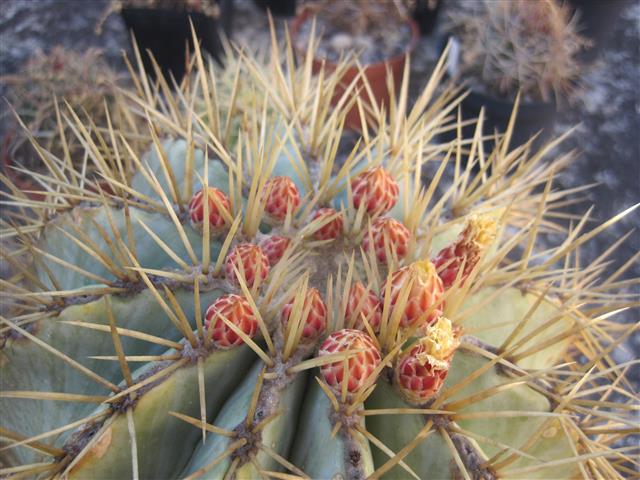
241,295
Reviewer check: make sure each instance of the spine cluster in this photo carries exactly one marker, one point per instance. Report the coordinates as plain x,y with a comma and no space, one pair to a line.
413,294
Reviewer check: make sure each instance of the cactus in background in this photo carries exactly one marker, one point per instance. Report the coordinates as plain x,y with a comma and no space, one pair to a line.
38,93
520,46
148,333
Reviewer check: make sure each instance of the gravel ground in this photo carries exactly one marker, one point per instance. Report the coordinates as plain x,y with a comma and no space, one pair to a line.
607,136
608,116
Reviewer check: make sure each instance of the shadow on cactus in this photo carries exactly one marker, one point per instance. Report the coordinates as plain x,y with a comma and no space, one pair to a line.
246,301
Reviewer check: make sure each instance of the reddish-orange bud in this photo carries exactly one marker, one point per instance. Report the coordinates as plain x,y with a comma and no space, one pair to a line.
250,261
422,370
360,365
274,247
330,230
362,302
235,309
316,319
219,208
466,251
391,231
282,195
376,189
425,293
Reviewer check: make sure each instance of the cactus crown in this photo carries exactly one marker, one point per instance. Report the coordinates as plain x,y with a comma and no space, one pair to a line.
520,45
241,335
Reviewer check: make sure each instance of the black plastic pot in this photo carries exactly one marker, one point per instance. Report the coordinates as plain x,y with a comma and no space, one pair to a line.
597,19
532,117
425,14
280,8
165,34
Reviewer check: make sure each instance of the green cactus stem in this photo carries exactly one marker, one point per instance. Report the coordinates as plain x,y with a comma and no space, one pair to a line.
116,365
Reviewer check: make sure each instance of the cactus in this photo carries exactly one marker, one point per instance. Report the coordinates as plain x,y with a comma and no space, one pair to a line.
148,333
520,46
37,93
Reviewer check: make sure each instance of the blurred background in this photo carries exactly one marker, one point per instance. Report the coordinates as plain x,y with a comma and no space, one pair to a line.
577,64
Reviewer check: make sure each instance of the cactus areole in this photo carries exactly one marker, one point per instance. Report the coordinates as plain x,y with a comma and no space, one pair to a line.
246,300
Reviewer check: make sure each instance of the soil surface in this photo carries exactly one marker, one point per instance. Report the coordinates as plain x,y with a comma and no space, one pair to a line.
608,115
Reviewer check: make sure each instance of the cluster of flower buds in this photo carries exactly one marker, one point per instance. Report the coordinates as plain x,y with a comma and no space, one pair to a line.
418,288
419,372
386,236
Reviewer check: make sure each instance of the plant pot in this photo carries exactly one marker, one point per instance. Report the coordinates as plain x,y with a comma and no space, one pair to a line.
280,8
375,74
596,19
165,34
532,117
425,14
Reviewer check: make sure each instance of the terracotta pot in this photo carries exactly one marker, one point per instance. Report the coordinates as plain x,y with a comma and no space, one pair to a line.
376,73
